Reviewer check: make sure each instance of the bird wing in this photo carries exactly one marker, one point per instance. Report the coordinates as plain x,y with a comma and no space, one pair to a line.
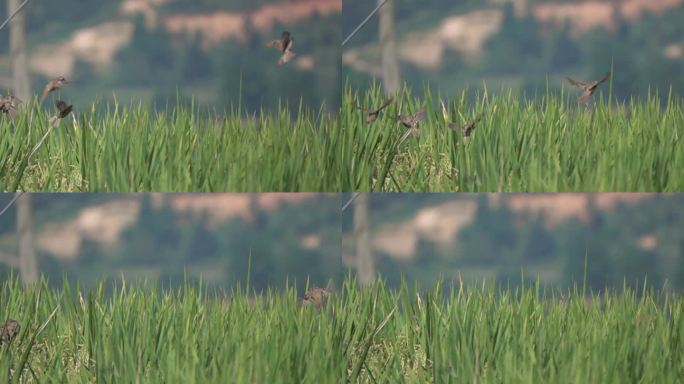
64,108
286,56
289,44
576,83
420,115
384,105
11,111
277,44
46,91
604,79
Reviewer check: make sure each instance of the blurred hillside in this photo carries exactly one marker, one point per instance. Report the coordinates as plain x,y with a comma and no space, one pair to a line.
161,50
624,236
519,43
163,236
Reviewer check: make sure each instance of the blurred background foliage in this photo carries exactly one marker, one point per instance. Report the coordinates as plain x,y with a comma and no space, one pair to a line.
290,241
646,53
164,67
627,243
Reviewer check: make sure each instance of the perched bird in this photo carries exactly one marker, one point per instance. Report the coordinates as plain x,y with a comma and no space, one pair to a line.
316,297
9,104
589,88
63,110
8,331
284,44
412,121
52,86
372,114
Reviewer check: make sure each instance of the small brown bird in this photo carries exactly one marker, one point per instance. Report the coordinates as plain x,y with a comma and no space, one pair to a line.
466,130
9,331
589,88
284,44
372,114
9,104
316,297
52,86
412,121
63,110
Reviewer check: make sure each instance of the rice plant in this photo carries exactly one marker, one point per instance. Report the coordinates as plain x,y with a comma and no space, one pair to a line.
548,143
128,149
449,333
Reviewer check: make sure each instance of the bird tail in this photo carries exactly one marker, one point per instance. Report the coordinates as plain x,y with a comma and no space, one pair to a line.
287,56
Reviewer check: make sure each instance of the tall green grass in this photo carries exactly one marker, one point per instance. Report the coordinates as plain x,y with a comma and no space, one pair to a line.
544,144
178,150
371,335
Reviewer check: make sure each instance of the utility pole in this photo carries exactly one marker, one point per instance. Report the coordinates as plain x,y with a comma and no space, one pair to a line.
365,263
388,49
28,264
18,53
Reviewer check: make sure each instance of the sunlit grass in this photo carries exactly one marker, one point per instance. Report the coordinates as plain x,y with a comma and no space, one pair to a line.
544,144
377,334
180,149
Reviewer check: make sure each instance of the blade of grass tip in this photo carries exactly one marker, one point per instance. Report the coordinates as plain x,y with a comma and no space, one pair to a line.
25,356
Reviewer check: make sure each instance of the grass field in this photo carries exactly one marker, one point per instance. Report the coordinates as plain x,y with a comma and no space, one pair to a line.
132,148
375,335
544,144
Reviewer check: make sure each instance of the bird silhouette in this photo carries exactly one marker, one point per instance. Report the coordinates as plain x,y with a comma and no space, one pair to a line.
466,130
412,121
284,44
589,87
52,86
63,110
315,297
9,104
9,330
372,114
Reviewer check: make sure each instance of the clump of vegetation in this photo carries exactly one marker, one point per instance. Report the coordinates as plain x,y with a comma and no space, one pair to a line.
136,149
548,143
365,335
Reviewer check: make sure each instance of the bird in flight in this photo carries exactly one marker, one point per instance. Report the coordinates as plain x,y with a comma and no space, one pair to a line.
9,104
52,86
466,130
315,297
411,121
63,110
589,88
284,44
372,114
